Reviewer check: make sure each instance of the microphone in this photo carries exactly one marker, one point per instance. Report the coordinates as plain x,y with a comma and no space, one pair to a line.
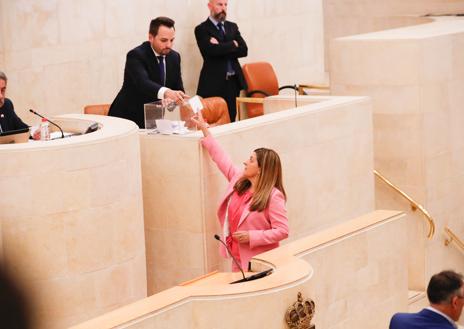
228,250
258,275
39,115
295,88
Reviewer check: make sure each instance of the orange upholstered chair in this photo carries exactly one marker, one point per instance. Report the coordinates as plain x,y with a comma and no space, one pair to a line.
214,111
100,109
262,82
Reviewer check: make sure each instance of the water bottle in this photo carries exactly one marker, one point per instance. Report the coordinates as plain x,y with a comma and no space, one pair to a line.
44,130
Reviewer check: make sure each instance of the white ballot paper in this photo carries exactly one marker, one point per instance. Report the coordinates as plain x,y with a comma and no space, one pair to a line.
196,104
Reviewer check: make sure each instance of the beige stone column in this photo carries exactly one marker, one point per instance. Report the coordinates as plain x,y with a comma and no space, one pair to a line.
72,221
415,77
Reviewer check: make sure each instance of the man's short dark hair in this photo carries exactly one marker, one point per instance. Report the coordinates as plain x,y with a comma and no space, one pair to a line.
443,286
157,22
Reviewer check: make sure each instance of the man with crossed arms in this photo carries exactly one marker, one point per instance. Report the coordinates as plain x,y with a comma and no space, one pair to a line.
221,45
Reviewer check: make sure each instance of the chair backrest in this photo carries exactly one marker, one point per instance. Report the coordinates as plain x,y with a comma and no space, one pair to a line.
99,109
214,112
260,76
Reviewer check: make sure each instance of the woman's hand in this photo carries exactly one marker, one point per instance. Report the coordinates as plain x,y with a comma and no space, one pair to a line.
241,236
201,123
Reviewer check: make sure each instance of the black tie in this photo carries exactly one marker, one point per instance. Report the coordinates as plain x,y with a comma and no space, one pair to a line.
161,68
220,27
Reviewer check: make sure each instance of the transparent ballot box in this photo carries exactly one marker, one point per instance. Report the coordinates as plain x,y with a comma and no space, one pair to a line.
179,115
152,112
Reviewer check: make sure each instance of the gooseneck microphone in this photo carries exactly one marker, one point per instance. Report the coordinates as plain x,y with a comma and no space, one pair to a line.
295,88
228,250
39,115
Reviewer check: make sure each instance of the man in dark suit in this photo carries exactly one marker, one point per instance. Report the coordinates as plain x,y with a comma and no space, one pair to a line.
152,72
221,45
8,118
446,296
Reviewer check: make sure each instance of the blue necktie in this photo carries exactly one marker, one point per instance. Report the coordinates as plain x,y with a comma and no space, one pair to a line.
161,68
220,27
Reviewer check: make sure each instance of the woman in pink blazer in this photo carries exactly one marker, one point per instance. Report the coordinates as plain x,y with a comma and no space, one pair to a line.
252,212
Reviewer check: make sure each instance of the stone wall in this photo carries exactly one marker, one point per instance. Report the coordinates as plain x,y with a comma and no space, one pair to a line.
415,78
347,17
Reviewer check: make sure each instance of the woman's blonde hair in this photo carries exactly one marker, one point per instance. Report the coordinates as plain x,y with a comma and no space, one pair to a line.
270,176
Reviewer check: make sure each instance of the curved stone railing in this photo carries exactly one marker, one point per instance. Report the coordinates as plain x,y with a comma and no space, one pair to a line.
212,302
72,220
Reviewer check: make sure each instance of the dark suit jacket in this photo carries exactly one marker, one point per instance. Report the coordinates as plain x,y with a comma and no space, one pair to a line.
8,118
425,319
142,82
213,73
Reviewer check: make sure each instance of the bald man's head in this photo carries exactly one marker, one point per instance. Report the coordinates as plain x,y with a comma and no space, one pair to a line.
218,9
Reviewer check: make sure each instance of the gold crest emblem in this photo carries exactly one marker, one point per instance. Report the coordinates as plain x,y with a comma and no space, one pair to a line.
300,314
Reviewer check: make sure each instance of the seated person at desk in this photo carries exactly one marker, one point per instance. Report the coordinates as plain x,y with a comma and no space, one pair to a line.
152,72
8,118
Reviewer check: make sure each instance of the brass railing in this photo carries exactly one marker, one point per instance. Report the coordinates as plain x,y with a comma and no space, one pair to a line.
453,238
414,205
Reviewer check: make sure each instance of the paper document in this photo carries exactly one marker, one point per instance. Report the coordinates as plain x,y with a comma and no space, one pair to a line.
196,104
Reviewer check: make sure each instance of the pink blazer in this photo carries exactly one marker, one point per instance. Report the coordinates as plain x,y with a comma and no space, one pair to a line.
266,228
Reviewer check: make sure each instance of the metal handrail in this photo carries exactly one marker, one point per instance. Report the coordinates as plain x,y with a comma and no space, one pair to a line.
413,203
453,238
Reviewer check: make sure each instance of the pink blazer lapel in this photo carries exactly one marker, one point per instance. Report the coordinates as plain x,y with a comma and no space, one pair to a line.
223,204
245,213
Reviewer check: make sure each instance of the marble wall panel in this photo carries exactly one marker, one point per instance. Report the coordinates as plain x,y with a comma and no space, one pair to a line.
420,150
386,98
21,254
367,60
457,52
72,224
369,271
436,59
75,14
173,256
39,22
417,229
346,17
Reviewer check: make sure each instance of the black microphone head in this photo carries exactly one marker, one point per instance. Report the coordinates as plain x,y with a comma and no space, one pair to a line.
217,237
31,110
